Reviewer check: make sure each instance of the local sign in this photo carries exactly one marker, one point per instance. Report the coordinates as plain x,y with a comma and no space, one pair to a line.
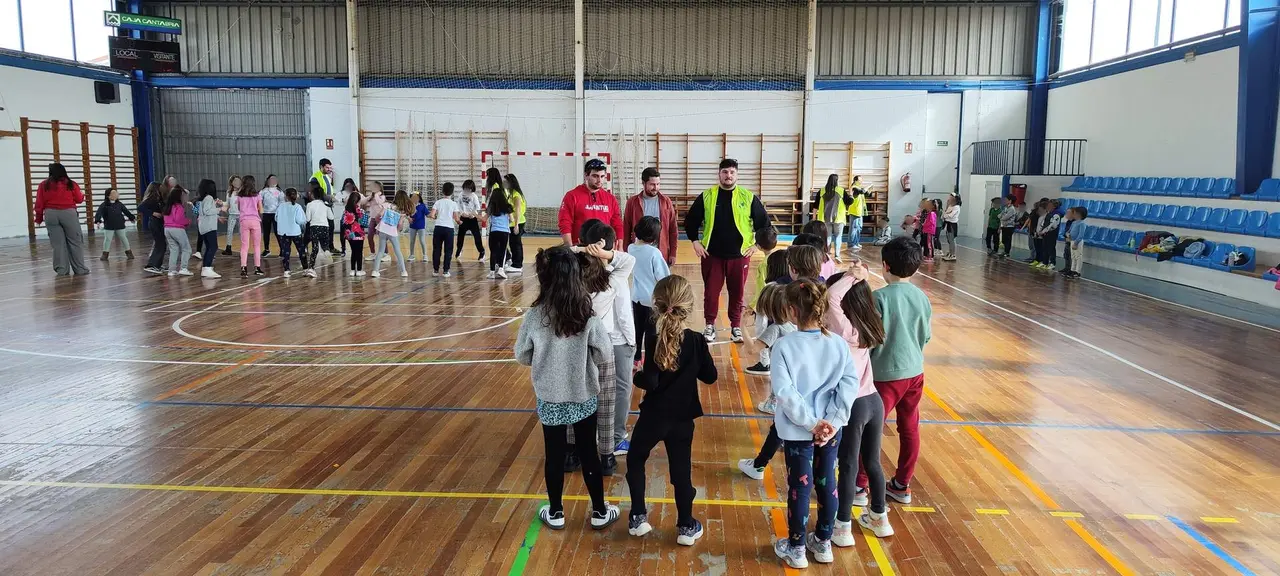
144,55
141,22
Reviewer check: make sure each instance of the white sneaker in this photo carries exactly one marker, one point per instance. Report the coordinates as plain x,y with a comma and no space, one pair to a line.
793,556
748,467
821,549
404,274
838,259
490,275
514,270
688,535
481,259
860,498
709,333
552,521
735,334
184,272
601,521
411,259
842,536
360,273
172,274
501,273
386,258
195,255
286,274
209,273
447,275
368,257
352,274
434,273
311,272
856,248
878,524
375,274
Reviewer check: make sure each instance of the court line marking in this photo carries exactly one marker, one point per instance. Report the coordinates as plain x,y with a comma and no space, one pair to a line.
177,327
1211,546
992,511
1218,520
1149,297
242,288
290,313
1063,514
1113,356
526,547
260,364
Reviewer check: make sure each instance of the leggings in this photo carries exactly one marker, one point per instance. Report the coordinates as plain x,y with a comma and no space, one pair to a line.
770,447
471,225
317,236
810,466
860,442
553,438
835,236
388,242
357,255
250,238
952,229
441,241
497,247
926,243
210,240
107,235
233,222
417,236
643,320
158,243
1006,238
268,228
328,239
286,243
515,246
678,438
992,240
179,248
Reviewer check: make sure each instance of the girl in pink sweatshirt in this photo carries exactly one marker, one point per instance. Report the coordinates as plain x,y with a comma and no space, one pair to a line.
928,228
852,314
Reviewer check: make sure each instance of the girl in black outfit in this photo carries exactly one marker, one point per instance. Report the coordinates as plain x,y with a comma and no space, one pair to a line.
112,214
675,360
151,209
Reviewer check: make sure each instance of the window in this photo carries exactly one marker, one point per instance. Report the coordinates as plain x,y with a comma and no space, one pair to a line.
46,28
69,29
91,32
1100,30
9,25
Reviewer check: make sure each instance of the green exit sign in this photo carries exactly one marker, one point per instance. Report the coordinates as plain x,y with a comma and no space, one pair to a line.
943,143
144,23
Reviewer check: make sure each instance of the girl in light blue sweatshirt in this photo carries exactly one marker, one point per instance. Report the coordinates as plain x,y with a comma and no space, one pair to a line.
814,378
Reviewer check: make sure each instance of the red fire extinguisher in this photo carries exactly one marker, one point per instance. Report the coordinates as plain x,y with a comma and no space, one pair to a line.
905,181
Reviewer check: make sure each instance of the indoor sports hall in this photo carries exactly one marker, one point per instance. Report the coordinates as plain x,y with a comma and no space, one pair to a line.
272,273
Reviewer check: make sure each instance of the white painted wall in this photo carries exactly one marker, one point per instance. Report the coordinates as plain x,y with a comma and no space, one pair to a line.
329,116
47,96
1174,119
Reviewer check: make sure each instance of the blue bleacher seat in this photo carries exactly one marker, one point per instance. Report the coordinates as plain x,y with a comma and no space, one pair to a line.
1130,185
1151,185
1176,185
1183,218
1223,188
1269,190
1235,221
1110,184
1117,209
1094,235
1140,215
1104,209
1218,220
1122,241
1249,265
1075,184
1090,184
1110,238
1130,211
1194,187
1094,206
1163,186
1200,220
1208,249
1268,276
1168,215
1273,225
1219,254
1153,213
1256,223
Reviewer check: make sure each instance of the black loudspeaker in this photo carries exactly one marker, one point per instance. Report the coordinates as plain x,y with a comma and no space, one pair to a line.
106,92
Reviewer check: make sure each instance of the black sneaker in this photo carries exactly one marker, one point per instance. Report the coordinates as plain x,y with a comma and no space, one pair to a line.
638,524
226,251
244,272
151,270
257,271
759,369
687,535
608,465
571,462
266,253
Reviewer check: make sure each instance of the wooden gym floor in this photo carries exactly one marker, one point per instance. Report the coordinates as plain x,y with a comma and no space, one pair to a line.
287,426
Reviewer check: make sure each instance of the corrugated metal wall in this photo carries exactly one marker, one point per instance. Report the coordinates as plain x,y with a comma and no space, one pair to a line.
216,133
666,40
291,39
885,39
478,39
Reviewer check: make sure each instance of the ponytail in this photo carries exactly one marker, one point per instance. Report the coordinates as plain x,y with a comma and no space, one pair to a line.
672,304
808,300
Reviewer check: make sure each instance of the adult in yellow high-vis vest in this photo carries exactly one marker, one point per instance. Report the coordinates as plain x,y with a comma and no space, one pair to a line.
856,211
324,177
832,204
722,223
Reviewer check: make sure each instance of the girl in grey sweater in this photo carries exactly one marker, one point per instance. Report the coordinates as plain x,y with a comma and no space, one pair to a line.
565,346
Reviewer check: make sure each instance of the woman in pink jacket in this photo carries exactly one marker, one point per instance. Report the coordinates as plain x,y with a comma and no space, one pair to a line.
852,313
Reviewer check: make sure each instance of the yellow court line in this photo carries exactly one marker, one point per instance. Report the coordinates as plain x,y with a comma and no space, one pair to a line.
1219,520
1098,547
992,511
1062,514
917,509
1142,517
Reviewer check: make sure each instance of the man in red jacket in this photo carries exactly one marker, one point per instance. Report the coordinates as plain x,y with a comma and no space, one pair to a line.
589,201
652,202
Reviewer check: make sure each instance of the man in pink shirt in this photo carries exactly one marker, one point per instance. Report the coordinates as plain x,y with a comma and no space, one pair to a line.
590,201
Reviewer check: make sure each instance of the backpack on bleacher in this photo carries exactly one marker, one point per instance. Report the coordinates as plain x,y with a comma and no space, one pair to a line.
1194,250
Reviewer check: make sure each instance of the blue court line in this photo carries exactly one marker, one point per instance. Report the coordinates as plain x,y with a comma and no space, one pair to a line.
1217,550
378,408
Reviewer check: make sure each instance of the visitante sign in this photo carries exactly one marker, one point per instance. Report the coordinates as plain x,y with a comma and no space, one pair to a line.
144,55
140,22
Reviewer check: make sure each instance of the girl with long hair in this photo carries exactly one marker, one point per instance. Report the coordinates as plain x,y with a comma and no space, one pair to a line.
515,244
272,196
250,204
175,231
290,218
499,231
852,314
208,214
348,188
55,207
469,209
353,222
111,214
565,345
833,208
317,228
951,223
400,210
675,359
152,209
234,185
375,203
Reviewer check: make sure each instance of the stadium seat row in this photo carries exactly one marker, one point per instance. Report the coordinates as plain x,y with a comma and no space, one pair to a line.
1193,187
1249,223
1127,241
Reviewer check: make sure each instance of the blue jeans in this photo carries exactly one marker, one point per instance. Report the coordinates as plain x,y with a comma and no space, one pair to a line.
855,231
810,466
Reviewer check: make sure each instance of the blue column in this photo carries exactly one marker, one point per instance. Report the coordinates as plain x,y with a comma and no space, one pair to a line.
1038,97
142,112
1259,84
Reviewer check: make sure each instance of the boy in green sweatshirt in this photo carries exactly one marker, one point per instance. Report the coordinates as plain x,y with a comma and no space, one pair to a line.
897,365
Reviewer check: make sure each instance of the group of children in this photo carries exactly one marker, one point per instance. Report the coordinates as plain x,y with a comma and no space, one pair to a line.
1042,223
837,355
308,220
